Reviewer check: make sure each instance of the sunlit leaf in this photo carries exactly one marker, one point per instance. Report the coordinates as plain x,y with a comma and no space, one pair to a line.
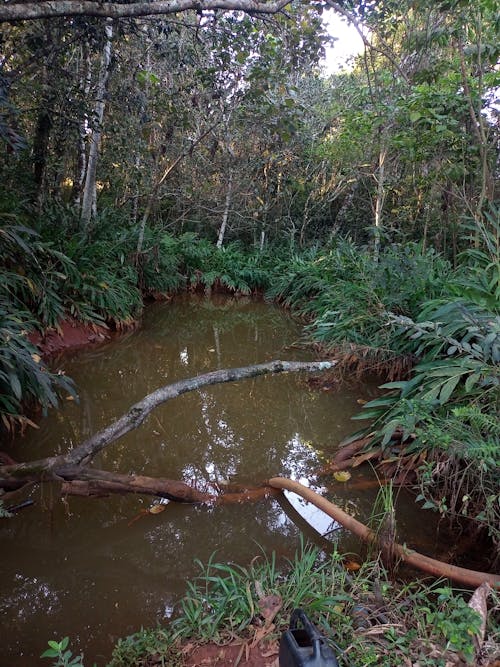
157,509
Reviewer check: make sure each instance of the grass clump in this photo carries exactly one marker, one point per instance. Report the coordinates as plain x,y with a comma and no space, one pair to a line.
368,619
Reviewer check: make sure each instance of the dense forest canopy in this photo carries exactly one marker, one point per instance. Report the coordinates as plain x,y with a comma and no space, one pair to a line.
220,122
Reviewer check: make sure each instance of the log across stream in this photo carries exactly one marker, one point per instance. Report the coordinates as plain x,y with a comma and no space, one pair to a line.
97,569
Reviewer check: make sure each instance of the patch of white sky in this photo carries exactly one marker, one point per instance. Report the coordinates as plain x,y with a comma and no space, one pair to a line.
346,45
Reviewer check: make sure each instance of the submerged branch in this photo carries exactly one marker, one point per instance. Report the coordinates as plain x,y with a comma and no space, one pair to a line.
83,481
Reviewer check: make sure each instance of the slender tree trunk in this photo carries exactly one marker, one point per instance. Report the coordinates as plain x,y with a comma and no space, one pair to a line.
86,79
89,198
262,238
479,131
227,207
40,149
42,130
379,202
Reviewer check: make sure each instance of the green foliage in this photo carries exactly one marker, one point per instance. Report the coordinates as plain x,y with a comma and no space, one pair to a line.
347,294
448,409
135,650
64,655
24,380
4,513
428,625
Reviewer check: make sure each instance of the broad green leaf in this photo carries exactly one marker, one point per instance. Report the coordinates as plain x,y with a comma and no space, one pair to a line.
447,389
471,381
15,385
50,653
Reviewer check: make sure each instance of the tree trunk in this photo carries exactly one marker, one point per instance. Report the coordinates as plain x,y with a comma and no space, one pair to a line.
40,149
227,206
89,191
85,81
379,202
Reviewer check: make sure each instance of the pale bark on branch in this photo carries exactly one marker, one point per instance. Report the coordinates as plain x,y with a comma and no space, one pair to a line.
54,468
138,412
19,11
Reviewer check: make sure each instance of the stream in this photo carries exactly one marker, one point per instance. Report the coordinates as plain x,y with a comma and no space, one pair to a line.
80,568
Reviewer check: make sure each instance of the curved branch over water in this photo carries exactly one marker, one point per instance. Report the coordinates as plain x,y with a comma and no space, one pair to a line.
437,568
138,412
14,476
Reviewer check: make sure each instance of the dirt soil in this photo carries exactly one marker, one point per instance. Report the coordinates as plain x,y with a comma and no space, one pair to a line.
71,334
236,654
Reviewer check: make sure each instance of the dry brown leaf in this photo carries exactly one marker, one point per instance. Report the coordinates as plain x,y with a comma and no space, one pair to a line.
358,460
269,606
352,565
479,604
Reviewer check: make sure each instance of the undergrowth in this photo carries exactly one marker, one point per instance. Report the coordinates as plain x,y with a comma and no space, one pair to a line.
368,619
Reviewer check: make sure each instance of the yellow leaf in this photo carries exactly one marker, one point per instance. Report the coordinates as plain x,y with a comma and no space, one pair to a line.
156,509
342,475
70,398
36,358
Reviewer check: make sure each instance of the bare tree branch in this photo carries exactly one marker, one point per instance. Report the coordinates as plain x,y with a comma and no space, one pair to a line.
16,11
138,412
57,468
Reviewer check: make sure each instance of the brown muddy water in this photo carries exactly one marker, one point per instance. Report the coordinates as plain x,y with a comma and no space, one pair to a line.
79,568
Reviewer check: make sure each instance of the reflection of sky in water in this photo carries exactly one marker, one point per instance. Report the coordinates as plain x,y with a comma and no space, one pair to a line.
317,519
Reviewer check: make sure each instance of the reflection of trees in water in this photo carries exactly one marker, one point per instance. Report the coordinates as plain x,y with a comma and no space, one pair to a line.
175,341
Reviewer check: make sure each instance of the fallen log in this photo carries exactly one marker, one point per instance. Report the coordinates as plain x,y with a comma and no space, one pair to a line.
91,482
471,578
